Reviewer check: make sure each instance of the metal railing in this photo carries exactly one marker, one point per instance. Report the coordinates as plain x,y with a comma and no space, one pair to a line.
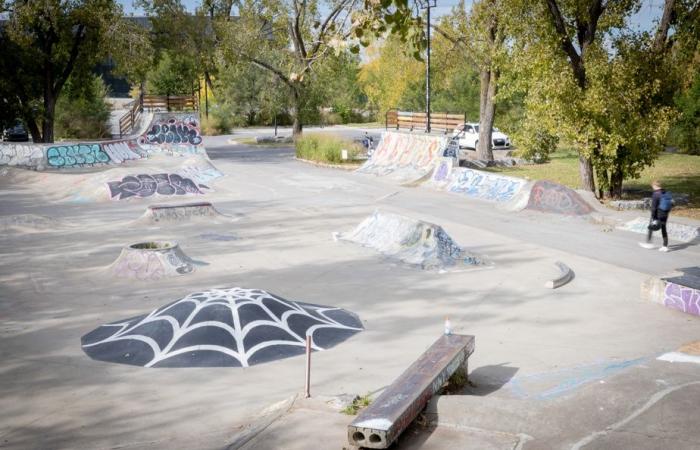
409,120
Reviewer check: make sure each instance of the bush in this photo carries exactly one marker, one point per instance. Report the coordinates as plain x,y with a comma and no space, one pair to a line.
326,148
81,110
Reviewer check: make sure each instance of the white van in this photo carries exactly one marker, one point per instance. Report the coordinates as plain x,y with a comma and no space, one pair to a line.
468,135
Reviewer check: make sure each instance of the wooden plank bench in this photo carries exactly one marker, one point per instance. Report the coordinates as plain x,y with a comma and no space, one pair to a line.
382,422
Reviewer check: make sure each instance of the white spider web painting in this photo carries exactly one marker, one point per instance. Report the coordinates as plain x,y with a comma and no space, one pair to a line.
232,327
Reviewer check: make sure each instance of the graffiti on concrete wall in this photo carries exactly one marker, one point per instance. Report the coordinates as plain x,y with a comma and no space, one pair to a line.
147,185
676,231
174,131
553,197
232,327
119,152
682,298
484,185
404,156
21,155
78,155
177,213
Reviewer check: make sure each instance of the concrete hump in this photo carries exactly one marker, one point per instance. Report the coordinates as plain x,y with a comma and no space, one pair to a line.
150,261
547,196
229,327
180,212
405,157
411,241
676,231
200,169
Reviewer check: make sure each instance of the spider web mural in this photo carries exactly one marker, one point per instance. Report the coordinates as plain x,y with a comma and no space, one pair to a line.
233,327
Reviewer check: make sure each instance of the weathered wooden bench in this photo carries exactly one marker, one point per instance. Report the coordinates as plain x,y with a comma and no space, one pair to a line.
383,421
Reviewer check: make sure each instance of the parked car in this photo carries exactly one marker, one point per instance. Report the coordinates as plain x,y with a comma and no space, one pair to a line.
468,135
15,133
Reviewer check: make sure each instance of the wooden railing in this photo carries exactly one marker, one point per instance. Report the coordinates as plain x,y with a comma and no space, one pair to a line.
170,102
155,102
409,120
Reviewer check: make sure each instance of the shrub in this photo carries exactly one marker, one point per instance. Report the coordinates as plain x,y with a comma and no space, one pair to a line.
81,110
326,148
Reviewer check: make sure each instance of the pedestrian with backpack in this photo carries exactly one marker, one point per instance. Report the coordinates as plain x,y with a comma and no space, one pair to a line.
661,204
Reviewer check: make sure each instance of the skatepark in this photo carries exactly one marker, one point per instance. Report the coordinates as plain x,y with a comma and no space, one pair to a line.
124,262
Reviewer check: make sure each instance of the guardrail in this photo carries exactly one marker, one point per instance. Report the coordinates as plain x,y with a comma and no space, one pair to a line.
131,118
410,120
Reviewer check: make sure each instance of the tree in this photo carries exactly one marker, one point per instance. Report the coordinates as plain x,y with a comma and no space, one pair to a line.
288,38
46,42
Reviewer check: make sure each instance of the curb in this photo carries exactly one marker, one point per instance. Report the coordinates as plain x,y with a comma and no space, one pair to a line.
566,275
347,167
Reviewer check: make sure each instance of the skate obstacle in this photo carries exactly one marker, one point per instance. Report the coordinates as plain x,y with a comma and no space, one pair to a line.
679,291
180,212
382,422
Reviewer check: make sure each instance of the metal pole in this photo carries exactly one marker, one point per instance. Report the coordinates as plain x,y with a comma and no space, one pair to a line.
427,76
206,98
307,382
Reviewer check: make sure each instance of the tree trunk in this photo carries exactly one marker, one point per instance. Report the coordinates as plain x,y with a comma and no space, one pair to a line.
585,168
49,115
487,113
616,179
296,122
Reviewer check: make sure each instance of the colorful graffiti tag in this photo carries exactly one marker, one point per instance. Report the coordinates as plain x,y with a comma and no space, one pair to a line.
483,185
553,197
682,298
174,131
120,151
145,185
77,155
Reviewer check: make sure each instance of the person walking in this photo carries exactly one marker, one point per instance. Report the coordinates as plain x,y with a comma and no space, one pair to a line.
661,204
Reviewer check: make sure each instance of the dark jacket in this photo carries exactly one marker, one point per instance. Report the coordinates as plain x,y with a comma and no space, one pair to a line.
656,213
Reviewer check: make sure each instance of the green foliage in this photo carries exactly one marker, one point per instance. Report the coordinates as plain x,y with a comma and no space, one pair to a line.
81,111
358,403
322,147
173,74
686,132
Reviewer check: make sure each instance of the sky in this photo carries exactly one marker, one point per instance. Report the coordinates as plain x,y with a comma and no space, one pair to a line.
644,20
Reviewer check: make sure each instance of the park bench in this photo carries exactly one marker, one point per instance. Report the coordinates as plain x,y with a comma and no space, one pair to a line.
382,422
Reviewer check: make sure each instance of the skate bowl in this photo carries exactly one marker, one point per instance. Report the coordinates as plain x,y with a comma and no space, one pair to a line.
232,327
412,242
180,212
405,157
169,133
150,261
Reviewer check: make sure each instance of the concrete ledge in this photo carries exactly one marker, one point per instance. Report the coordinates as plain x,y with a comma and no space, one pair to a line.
382,422
669,292
566,275
330,166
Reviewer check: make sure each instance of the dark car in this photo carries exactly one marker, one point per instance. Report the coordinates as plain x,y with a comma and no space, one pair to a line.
15,133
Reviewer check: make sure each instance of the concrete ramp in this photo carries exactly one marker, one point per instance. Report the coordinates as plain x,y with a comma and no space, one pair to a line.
405,157
411,241
181,213
547,196
676,231
200,169
484,185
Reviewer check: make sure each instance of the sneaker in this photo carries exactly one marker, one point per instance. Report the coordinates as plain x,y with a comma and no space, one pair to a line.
646,245
663,249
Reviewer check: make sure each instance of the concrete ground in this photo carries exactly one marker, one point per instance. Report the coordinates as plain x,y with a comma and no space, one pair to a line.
552,368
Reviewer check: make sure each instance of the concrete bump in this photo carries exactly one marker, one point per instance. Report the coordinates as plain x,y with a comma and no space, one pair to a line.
411,241
222,327
180,212
150,261
565,275
676,231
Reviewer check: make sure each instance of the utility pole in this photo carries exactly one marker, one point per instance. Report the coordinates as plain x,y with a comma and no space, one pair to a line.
427,4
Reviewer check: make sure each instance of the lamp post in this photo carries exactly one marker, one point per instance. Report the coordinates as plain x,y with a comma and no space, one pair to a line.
427,4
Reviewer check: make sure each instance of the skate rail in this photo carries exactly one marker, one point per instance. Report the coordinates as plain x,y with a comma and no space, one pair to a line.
382,422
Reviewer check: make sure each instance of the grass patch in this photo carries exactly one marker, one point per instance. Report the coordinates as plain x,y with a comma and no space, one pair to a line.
678,173
357,404
326,148
365,125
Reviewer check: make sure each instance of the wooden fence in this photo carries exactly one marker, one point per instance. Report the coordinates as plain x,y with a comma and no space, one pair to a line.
409,120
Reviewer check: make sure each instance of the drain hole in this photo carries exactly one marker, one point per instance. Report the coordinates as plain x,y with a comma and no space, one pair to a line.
358,436
374,438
